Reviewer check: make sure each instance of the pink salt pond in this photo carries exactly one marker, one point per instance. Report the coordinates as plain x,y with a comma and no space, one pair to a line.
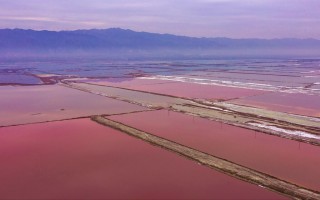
22,105
182,89
282,158
302,104
79,159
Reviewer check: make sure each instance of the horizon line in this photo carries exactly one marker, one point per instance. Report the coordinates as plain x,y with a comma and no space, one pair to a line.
137,31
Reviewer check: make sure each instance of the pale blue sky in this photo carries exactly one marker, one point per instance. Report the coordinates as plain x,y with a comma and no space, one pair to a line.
200,18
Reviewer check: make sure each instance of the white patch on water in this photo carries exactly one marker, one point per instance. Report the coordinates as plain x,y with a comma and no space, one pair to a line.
215,108
308,72
289,132
47,75
77,79
203,81
235,84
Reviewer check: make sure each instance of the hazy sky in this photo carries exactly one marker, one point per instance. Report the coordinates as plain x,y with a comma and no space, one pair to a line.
201,18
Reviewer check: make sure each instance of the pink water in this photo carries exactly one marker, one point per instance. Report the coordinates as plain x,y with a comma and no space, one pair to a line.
301,104
21,105
181,89
79,159
283,158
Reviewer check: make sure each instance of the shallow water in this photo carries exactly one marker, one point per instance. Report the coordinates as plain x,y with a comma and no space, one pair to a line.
301,104
287,159
79,159
21,105
184,90
18,79
284,71
133,96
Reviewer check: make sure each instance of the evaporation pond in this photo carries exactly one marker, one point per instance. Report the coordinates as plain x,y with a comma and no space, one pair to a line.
283,158
182,89
29,104
80,159
295,103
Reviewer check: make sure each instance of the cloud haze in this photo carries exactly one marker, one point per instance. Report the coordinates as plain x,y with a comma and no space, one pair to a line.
200,18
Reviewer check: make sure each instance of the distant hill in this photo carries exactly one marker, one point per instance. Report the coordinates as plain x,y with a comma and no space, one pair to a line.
15,40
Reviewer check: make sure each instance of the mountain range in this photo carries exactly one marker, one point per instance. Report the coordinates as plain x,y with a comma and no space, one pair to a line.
114,39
